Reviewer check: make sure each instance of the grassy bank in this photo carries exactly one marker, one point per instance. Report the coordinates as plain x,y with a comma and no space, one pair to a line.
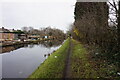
80,66
54,65
83,65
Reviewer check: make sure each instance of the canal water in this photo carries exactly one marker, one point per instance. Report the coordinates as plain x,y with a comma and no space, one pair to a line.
20,61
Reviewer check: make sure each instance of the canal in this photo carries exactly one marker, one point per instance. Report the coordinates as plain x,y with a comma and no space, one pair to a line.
21,60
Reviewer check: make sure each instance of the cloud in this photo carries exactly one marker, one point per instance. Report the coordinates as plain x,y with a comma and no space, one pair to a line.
38,0
56,14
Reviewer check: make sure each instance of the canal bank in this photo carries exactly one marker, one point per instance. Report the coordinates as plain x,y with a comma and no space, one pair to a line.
54,65
82,63
5,44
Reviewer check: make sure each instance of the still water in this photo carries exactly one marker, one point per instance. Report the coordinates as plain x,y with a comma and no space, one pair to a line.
21,61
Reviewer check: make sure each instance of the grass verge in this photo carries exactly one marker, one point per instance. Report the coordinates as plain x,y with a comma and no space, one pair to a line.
53,66
83,66
80,66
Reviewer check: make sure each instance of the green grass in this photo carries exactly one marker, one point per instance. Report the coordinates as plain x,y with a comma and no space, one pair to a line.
83,66
80,67
53,67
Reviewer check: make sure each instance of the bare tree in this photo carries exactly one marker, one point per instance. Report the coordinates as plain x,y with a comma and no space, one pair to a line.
31,28
25,29
113,12
114,17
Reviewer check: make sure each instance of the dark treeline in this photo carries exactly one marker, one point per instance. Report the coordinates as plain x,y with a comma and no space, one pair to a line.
92,27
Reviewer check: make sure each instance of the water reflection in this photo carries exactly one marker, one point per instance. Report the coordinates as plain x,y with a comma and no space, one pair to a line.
20,61
48,44
11,48
52,43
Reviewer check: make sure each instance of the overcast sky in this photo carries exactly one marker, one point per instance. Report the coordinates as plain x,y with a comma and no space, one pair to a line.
37,13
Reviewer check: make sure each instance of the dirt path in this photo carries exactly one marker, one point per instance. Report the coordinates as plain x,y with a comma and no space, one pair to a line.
66,73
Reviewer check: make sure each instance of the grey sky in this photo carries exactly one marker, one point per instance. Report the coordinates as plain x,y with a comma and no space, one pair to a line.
37,14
